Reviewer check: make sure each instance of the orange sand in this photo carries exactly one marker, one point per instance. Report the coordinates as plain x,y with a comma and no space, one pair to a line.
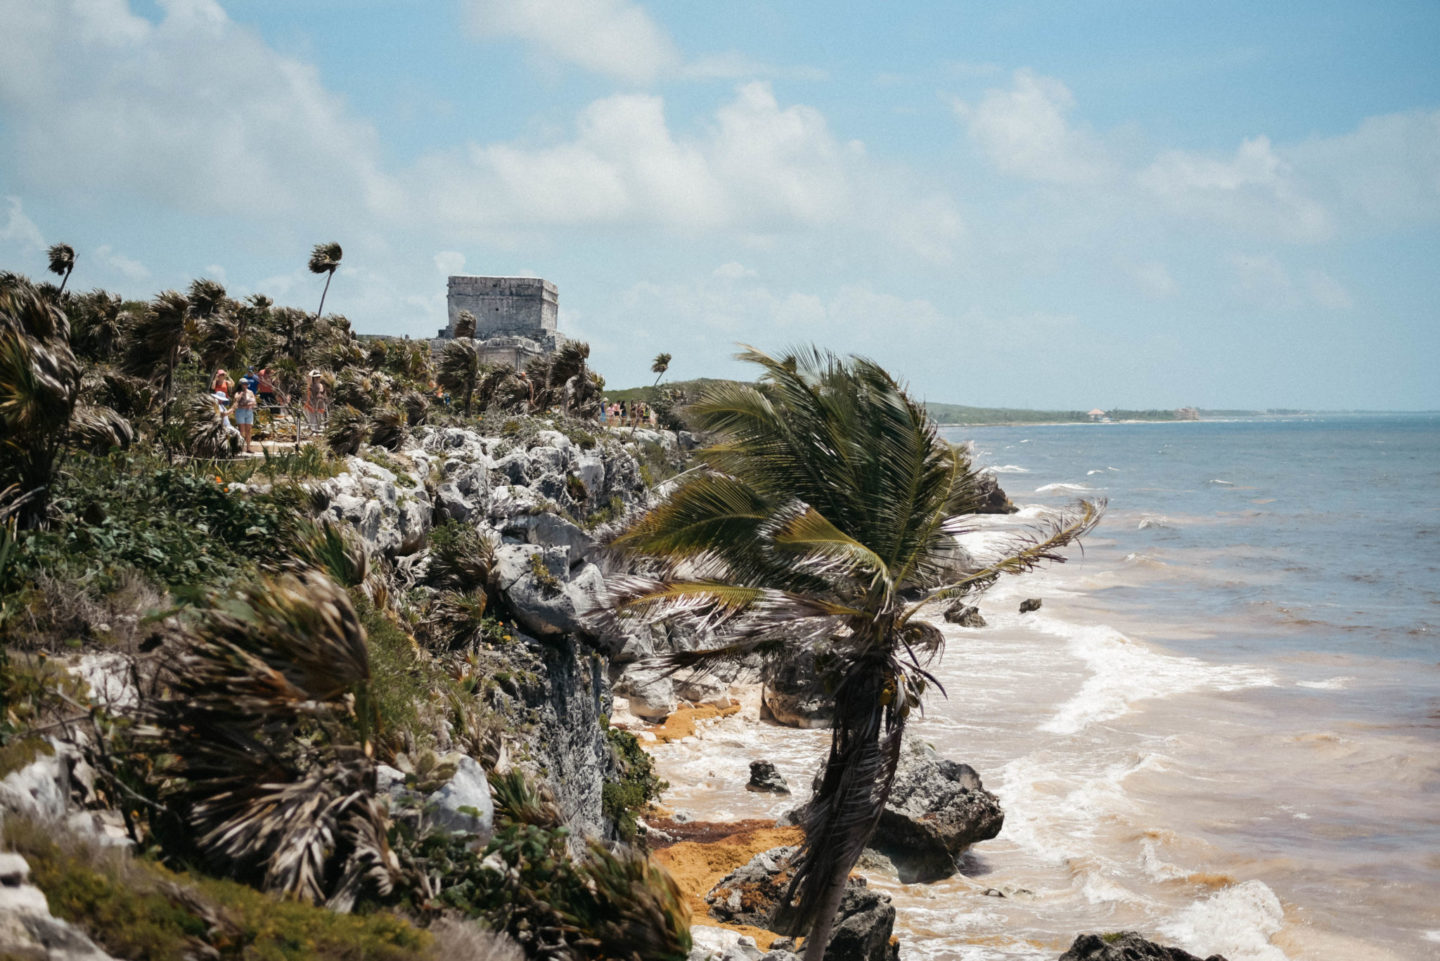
681,724
698,866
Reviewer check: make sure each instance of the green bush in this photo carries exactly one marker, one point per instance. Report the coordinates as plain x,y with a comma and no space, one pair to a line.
635,784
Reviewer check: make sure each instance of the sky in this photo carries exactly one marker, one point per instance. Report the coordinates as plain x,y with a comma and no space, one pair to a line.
1045,205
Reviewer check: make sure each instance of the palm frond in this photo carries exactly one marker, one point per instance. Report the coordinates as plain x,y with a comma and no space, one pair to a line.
324,258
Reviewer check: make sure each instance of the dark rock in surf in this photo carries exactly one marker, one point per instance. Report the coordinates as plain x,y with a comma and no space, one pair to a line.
992,499
1125,946
1029,604
765,779
937,808
965,615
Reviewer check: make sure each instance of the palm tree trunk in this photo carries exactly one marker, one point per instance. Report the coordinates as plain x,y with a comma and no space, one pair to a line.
65,280
321,312
819,937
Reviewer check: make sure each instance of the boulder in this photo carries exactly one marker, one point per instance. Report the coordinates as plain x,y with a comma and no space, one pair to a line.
462,805
546,597
1125,946
649,690
750,894
702,687
390,512
963,614
936,809
795,696
1030,604
765,779
552,530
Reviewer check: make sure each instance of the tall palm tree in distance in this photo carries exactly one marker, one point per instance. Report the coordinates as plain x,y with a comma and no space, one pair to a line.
658,366
825,521
62,262
324,258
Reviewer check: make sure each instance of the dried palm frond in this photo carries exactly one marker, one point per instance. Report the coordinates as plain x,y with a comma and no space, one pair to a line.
417,407
99,429
206,431
387,428
347,430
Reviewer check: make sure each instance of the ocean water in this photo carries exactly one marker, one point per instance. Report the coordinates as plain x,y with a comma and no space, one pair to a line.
1223,726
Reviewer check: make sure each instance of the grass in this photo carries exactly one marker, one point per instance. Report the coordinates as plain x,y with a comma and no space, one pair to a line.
138,909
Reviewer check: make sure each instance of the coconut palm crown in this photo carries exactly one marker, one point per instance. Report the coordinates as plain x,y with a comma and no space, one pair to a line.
62,262
823,520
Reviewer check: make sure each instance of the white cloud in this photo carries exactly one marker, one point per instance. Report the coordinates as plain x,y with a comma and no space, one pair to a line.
1262,280
733,65
132,269
758,164
1023,132
616,38
1256,191
193,112
1385,172
449,262
19,230
733,271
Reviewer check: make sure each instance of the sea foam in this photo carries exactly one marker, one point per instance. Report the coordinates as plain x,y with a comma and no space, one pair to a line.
1236,922
1125,671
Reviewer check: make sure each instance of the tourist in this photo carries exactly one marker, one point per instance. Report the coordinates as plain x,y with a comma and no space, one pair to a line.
245,401
250,380
317,402
265,387
221,381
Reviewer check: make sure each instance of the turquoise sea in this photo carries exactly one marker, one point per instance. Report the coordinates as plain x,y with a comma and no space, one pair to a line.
1223,726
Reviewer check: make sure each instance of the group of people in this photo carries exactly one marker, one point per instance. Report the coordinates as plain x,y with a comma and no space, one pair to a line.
633,413
240,399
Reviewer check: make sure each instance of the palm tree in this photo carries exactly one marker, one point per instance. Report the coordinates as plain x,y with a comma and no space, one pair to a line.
460,368
659,366
324,258
62,262
299,815
41,410
465,324
159,336
824,522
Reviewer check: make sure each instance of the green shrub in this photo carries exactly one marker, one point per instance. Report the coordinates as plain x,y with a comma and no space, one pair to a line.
635,784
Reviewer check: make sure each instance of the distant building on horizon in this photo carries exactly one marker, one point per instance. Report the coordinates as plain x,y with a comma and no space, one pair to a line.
1097,415
516,318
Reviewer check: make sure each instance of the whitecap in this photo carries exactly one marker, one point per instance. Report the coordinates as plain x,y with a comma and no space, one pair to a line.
1078,488
1236,922
1149,522
1006,469
1220,483
1126,671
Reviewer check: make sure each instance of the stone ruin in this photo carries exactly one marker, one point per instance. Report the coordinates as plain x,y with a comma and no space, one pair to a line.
515,317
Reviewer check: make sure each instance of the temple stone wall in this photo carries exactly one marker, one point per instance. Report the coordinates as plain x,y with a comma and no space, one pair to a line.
521,306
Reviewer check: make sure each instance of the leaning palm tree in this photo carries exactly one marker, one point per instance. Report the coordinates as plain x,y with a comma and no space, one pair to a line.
324,258
659,366
824,522
62,263
459,369
296,814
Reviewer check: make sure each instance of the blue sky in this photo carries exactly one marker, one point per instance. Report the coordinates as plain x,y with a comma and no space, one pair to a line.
1031,204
